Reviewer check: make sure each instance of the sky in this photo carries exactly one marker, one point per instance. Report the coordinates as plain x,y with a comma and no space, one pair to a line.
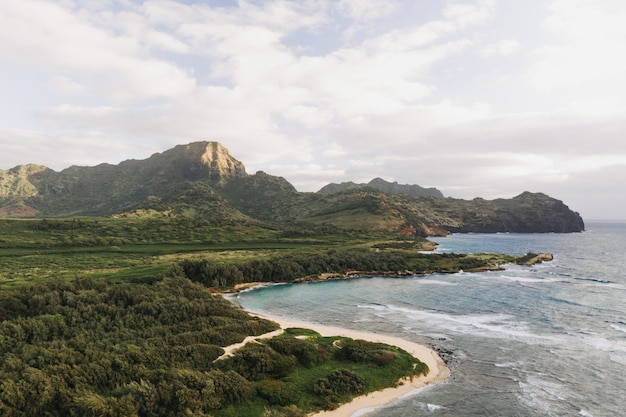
482,98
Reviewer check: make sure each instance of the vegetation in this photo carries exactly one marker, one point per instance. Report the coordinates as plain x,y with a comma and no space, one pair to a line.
89,348
289,268
137,246
115,316
202,179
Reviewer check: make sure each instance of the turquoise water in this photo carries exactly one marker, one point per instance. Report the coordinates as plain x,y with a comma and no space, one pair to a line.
547,340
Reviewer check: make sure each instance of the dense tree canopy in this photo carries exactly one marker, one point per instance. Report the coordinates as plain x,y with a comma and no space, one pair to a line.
147,349
291,267
88,348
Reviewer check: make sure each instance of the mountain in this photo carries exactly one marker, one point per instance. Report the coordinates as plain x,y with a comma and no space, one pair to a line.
203,179
171,176
384,186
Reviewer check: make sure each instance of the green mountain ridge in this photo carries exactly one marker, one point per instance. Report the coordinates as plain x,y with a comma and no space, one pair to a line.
203,179
386,187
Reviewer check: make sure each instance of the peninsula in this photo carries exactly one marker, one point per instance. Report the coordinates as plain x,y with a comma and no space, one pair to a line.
438,371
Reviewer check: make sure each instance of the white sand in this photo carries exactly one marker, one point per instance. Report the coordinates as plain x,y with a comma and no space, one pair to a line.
230,349
439,372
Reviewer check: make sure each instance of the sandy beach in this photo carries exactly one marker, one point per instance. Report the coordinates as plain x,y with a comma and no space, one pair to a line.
439,372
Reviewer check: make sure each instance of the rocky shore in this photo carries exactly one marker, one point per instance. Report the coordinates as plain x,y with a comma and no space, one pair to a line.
535,259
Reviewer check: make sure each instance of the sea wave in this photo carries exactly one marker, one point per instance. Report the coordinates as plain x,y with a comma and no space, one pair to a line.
605,345
541,394
618,328
436,282
485,325
527,280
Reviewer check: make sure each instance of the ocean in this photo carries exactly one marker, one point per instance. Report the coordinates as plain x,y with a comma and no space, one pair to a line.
546,340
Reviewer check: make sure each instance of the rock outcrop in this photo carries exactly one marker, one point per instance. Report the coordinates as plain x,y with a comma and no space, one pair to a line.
537,259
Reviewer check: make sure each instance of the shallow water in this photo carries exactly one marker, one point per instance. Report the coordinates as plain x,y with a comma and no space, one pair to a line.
547,340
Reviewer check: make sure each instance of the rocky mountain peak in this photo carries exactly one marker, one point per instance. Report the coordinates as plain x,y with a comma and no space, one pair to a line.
201,160
15,181
221,162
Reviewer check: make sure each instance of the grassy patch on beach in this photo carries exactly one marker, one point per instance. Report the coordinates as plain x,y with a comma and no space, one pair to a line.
316,372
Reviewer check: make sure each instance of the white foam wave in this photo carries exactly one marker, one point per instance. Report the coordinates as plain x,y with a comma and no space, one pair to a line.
540,394
618,328
362,412
510,365
584,413
621,359
616,349
485,325
434,407
428,406
528,280
604,344
436,282
412,393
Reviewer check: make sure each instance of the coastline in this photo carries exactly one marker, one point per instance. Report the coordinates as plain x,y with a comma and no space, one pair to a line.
358,406
438,371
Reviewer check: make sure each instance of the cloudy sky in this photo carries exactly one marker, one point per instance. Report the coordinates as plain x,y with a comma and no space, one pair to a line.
477,98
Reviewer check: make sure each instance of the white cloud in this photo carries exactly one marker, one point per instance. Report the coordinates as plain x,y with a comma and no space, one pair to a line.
469,13
84,149
365,10
504,47
587,54
310,176
595,194
334,150
45,35
322,91
64,85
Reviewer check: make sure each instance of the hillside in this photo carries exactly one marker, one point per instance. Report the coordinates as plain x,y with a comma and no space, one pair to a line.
180,179
202,179
412,190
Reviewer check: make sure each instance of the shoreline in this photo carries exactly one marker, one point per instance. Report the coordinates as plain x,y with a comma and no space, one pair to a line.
329,276
438,371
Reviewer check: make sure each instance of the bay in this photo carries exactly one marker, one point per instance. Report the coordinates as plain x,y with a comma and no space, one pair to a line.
547,340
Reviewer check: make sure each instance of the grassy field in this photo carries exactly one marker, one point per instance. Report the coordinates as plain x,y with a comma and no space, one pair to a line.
33,250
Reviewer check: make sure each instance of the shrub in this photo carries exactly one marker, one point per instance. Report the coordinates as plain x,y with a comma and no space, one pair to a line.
337,384
277,392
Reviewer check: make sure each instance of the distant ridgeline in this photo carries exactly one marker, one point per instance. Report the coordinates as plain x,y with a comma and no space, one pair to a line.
380,184
203,179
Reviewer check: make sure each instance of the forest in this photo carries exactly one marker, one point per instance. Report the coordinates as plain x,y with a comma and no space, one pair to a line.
92,348
296,266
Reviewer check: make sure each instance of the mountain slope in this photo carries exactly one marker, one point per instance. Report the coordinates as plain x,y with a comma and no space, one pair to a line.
108,189
203,179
